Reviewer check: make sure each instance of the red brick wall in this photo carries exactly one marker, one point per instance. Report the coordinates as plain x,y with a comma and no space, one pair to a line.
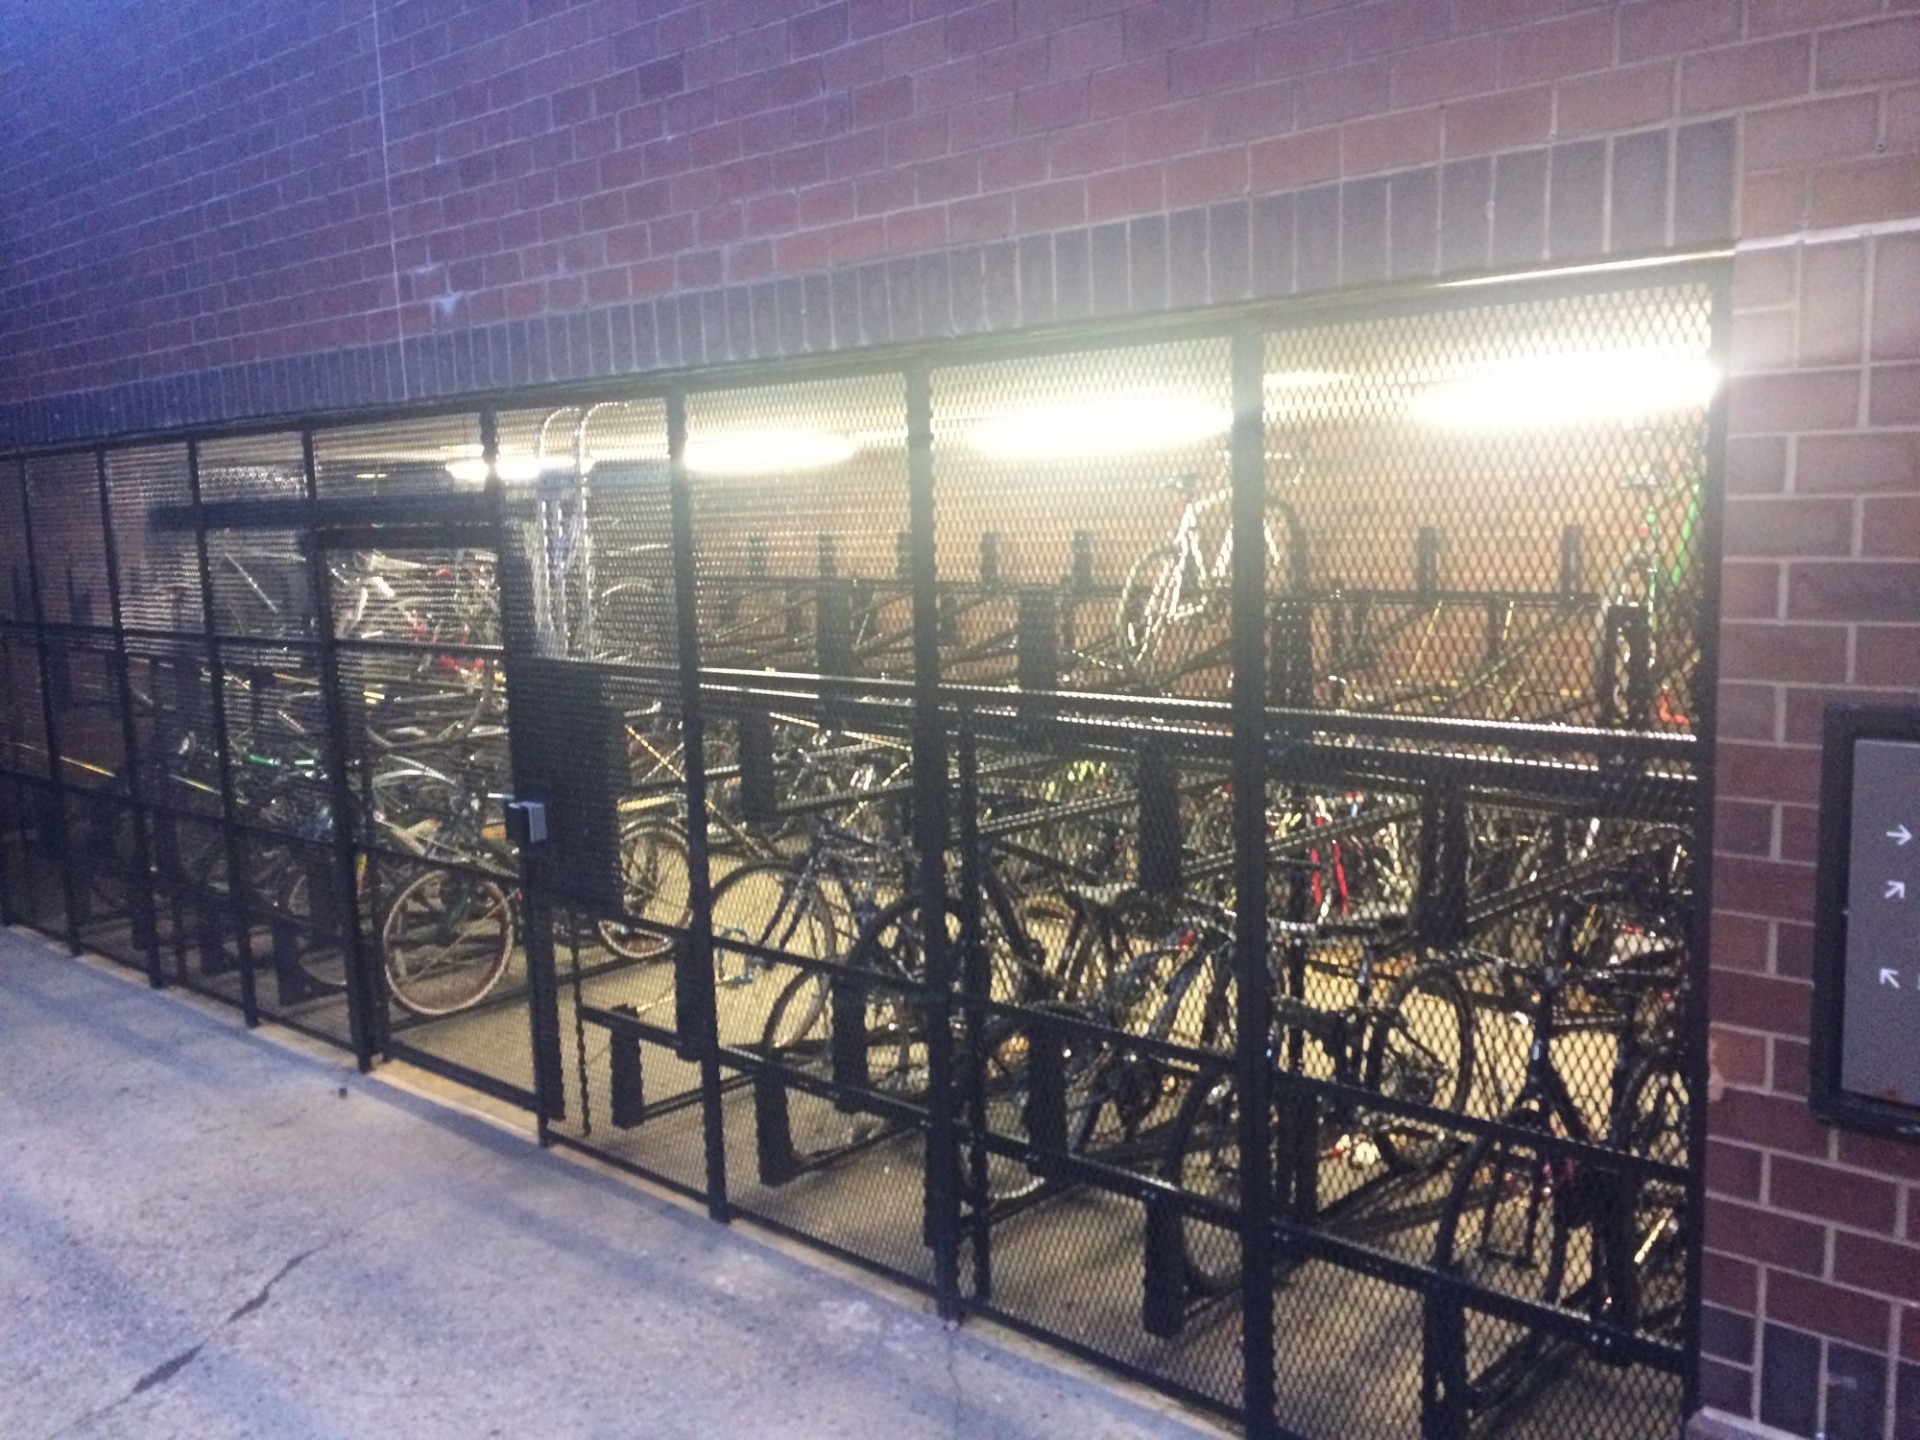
1809,1228
216,209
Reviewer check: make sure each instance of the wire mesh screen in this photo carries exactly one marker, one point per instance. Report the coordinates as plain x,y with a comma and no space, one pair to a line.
1082,518
593,479
26,727
1284,993
413,594
159,572
799,506
401,458
1500,506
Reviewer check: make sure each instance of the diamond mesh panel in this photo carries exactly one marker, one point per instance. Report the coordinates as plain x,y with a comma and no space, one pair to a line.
69,540
799,500
1470,812
595,477
25,717
410,457
36,887
1091,489
259,575
1487,496
159,571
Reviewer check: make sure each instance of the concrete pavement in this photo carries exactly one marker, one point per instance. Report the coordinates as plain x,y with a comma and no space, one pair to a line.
211,1233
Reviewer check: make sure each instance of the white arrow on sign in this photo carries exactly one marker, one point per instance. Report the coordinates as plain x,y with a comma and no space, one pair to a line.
1900,835
1896,890
1890,977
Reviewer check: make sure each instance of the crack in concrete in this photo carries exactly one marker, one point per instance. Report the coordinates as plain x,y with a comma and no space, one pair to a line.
167,1369
266,1290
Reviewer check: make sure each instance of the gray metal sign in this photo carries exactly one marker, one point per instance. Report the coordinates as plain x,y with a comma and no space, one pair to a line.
1867,980
1881,1057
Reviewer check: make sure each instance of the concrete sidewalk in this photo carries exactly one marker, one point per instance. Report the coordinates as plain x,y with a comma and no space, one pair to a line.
209,1233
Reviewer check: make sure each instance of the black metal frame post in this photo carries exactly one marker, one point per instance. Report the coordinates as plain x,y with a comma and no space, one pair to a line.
930,842
543,975
364,992
229,821
695,981
1252,974
41,654
148,926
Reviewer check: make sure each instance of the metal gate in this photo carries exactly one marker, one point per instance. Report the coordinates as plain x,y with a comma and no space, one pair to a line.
1189,839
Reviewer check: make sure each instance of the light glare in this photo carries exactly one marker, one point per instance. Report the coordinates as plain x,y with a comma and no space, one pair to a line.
767,452
1569,388
1109,425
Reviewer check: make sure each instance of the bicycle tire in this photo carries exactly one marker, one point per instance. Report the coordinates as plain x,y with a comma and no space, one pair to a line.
1146,639
445,941
461,717
1510,1187
1203,1158
1651,1122
654,885
764,905
324,967
1421,1049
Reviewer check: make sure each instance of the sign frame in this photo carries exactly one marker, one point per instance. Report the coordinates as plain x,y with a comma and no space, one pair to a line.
1845,726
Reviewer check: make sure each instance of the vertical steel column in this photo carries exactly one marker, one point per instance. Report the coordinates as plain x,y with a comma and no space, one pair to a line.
365,984
1706,690
543,977
930,843
59,788
149,922
1252,975
8,816
229,824
698,956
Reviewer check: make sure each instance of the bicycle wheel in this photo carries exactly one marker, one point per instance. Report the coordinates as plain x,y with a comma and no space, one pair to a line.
797,1028
1421,1050
1651,1122
1004,1052
435,701
653,884
892,947
1203,1158
1155,630
1109,1092
769,907
446,941
325,965
1504,1225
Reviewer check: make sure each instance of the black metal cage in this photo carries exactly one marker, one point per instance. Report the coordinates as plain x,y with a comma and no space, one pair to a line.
1189,840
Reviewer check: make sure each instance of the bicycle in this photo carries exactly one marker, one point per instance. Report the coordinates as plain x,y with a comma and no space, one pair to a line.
1415,1045
1566,1227
1646,644
1180,588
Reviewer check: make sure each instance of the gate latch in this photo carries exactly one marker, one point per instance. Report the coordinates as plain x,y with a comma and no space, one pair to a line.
527,822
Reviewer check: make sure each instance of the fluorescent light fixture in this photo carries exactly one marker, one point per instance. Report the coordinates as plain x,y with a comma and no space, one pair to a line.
768,452
472,469
1106,425
1575,387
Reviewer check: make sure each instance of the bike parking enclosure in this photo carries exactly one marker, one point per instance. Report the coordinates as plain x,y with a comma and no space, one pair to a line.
1188,839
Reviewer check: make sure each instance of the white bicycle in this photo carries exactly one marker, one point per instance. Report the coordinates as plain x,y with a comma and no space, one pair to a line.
1175,602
